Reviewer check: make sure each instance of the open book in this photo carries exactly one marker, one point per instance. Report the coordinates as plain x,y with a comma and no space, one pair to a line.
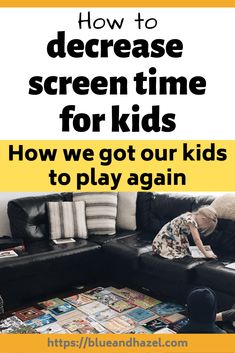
196,253
64,241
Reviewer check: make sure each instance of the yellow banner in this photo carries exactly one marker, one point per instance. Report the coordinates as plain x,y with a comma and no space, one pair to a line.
117,165
108,343
120,3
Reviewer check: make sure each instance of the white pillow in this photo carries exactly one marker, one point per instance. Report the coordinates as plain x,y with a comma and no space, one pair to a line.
67,220
101,211
126,211
225,206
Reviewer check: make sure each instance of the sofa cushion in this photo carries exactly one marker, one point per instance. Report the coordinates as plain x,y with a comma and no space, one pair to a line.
214,274
102,239
101,211
126,210
177,270
42,257
126,251
67,220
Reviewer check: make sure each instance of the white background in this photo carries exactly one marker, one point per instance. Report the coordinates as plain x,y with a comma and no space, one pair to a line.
209,51
208,39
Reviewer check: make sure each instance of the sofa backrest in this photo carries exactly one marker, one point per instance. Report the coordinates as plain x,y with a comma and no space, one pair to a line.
28,216
156,209
29,221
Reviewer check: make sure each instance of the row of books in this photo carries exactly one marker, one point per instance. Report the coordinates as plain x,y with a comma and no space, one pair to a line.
100,310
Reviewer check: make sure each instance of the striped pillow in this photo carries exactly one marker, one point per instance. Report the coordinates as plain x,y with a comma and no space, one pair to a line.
67,220
101,211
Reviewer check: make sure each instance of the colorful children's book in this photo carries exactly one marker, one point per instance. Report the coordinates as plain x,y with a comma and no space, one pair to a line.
137,330
176,326
136,298
22,329
13,324
107,297
166,309
51,303
145,302
92,308
121,306
62,309
43,320
140,314
84,326
78,300
104,315
93,292
28,313
119,324
52,328
154,325
166,330
175,317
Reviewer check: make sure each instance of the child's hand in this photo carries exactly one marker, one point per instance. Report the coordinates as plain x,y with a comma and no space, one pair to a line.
210,255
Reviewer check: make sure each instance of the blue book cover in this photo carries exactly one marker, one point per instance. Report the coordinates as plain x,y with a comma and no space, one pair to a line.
139,314
164,309
40,321
62,309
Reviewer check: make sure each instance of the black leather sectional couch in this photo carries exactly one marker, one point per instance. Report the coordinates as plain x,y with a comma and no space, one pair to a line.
126,257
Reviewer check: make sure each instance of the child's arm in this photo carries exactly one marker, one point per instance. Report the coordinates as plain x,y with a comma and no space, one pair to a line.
198,242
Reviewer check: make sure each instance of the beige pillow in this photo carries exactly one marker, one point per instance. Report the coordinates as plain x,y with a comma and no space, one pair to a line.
225,206
67,220
126,211
101,211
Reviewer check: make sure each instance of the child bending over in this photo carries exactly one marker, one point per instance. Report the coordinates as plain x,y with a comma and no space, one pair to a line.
172,240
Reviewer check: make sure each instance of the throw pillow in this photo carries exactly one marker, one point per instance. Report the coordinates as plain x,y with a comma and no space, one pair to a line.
101,211
126,211
225,206
67,220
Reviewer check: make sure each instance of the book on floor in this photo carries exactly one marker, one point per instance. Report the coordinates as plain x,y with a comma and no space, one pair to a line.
176,326
62,309
166,309
43,320
140,314
93,292
166,330
154,325
51,303
103,315
92,308
121,306
78,300
28,313
119,324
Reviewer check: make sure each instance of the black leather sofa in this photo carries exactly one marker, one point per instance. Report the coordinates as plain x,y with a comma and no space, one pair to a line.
126,257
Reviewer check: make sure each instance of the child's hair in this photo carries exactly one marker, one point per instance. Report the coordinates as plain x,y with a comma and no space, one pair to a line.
209,214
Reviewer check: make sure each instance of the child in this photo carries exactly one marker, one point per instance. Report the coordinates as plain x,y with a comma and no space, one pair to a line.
172,240
201,305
